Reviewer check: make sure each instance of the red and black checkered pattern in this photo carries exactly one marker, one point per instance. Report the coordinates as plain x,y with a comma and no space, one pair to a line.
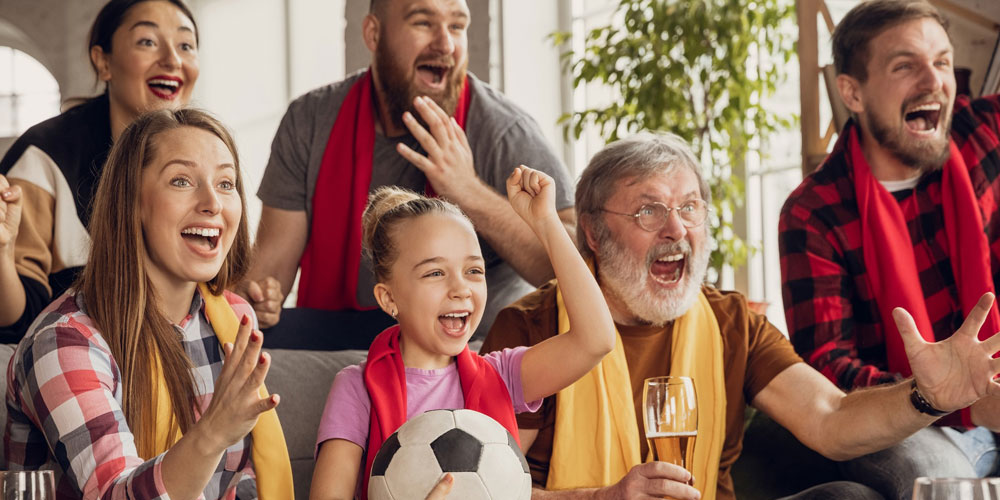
833,319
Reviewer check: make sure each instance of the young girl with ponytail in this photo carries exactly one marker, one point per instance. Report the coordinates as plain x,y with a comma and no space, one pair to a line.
430,272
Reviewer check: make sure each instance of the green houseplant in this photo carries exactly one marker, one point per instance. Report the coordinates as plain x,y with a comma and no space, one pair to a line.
699,69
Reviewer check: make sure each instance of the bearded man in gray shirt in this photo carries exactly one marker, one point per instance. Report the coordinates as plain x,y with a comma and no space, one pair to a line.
405,115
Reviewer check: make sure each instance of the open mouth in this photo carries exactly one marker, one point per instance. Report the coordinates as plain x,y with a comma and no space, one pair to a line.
455,323
433,73
203,238
165,87
668,269
923,118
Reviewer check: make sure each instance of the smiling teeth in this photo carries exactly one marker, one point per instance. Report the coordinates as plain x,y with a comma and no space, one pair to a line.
671,258
160,81
202,231
456,315
933,106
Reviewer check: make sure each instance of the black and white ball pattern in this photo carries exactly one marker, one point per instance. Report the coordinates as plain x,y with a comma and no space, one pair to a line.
479,452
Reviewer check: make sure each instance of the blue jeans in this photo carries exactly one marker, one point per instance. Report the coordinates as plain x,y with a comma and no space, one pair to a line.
980,446
931,452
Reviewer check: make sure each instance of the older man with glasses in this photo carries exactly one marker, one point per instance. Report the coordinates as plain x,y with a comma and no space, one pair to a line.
642,205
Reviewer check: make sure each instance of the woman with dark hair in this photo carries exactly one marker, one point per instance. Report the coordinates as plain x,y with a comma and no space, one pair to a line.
146,53
120,384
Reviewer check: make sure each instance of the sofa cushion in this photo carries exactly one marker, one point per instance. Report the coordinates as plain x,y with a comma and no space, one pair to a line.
303,380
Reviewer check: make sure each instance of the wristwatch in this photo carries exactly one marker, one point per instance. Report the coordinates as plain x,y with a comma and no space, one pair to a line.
921,404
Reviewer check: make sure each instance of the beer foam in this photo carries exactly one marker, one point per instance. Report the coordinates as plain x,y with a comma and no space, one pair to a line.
654,435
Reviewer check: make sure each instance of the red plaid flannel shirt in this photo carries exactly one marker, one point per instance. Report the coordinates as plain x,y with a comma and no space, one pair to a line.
833,319
64,409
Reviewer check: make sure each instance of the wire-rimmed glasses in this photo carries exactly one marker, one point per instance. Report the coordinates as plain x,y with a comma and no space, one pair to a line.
653,216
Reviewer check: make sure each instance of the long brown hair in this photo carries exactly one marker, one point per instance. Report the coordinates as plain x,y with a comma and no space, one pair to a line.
117,292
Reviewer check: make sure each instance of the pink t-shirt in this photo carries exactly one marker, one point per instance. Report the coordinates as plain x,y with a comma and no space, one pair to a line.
348,408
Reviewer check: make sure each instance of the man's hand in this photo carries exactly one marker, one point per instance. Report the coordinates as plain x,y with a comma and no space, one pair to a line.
10,215
651,480
986,413
448,164
956,372
266,298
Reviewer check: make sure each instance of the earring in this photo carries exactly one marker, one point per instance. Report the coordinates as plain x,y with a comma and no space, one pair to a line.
394,313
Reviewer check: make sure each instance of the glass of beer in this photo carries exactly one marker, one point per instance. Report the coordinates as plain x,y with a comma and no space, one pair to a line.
27,485
670,415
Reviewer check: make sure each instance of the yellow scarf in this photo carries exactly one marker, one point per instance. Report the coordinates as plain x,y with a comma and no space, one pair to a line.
268,450
599,407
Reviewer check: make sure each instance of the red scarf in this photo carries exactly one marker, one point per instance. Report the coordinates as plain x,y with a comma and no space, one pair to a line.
889,258
332,257
385,378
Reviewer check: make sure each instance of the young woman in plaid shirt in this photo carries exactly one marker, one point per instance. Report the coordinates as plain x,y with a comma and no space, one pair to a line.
82,385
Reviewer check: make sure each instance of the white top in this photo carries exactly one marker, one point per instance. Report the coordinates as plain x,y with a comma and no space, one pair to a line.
893,186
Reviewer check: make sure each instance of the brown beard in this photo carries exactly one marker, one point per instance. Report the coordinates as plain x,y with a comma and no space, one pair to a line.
922,159
399,89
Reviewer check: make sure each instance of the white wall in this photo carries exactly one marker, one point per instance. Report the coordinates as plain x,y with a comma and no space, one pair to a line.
531,71
54,34
252,66
317,43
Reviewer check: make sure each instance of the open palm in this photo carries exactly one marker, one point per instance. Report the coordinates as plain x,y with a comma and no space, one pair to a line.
956,372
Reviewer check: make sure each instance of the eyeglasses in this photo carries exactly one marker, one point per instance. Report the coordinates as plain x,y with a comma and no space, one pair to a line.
653,216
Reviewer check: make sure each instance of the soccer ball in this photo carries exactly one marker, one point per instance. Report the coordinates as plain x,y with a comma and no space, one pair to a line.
479,452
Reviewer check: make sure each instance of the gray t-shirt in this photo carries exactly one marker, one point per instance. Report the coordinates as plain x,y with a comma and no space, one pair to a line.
501,135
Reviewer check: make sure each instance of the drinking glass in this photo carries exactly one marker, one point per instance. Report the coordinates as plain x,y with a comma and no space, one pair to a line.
956,489
27,485
670,415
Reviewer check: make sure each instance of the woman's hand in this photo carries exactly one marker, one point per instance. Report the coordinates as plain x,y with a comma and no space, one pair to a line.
532,195
236,403
10,215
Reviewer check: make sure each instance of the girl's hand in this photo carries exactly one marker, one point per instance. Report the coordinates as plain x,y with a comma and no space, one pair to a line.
10,214
236,404
440,492
532,195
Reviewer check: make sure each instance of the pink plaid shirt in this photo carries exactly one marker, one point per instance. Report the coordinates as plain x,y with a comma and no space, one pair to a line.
64,403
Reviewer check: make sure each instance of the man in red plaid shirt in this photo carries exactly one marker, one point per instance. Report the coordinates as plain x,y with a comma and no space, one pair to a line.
902,213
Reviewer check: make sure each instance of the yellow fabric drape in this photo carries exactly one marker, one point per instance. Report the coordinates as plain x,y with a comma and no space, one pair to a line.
269,452
696,352
599,407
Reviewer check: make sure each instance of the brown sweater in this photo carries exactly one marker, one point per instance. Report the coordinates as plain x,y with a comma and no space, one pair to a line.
754,352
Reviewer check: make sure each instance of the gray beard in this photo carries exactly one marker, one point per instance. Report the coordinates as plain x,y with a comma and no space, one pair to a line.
626,278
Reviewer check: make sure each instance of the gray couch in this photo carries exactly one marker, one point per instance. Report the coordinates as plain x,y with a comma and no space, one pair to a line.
303,380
